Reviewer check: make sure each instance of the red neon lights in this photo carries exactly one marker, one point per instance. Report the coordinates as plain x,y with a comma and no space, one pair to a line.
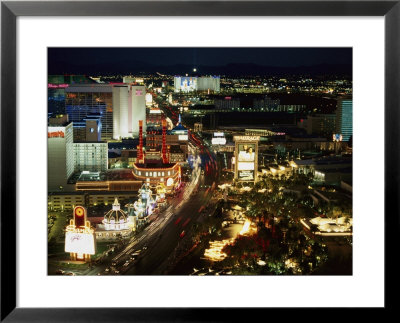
164,142
55,134
79,216
57,86
140,156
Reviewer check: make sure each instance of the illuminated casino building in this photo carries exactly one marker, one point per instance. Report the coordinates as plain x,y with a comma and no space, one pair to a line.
143,207
60,156
118,105
154,119
160,197
80,239
194,83
178,136
137,108
149,100
116,224
129,107
156,173
82,100
119,180
344,118
56,90
154,167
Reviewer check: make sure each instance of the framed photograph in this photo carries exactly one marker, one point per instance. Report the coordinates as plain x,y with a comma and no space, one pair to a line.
197,152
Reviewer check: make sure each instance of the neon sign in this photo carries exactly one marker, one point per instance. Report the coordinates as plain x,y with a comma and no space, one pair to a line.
79,236
57,86
246,138
55,134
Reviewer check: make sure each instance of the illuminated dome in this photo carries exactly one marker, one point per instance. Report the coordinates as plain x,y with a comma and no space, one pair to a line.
116,219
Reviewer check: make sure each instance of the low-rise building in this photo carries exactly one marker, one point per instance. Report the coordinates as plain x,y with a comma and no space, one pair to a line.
116,224
112,180
176,154
60,201
153,173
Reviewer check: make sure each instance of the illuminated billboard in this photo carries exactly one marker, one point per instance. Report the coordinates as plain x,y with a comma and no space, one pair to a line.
245,166
80,243
246,175
183,137
80,240
218,138
246,158
246,152
218,141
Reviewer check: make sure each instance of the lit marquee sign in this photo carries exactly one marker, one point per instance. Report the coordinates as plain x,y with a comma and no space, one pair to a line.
183,137
80,239
246,175
246,157
245,166
246,153
80,243
246,138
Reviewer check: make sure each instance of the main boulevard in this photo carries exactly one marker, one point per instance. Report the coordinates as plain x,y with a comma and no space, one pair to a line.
152,250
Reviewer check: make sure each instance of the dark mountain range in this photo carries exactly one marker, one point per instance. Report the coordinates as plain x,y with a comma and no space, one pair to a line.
232,69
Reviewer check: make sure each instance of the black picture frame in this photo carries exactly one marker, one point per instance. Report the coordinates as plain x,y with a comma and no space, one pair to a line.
10,10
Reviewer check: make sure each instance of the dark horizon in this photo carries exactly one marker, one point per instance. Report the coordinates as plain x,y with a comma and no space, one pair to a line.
207,60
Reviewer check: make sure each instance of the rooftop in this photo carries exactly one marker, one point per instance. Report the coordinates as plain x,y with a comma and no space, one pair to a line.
109,175
156,165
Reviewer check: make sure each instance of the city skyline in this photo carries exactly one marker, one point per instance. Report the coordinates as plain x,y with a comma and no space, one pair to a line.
196,173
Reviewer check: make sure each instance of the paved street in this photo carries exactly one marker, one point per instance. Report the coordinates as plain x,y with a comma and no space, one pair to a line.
158,241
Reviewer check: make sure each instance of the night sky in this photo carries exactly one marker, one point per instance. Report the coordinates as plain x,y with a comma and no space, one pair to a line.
88,60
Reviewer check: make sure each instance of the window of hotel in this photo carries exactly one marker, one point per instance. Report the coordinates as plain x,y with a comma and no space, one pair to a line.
163,174
139,172
154,174
147,179
147,173
169,173
159,173
161,179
